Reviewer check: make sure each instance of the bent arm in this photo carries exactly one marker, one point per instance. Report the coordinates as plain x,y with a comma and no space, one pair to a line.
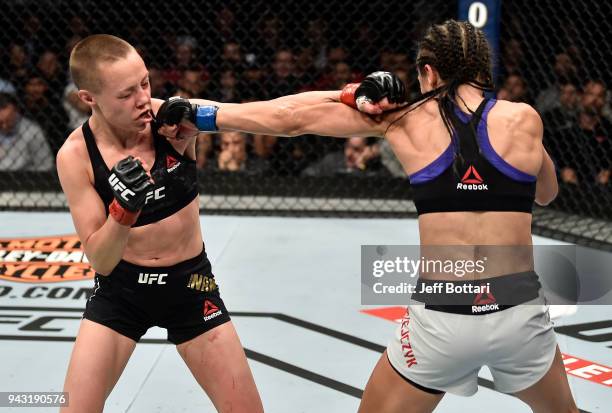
103,238
546,185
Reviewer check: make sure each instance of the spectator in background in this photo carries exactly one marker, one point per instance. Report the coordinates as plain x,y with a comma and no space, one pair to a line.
7,87
597,128
184,59
282,81
336,54
23,145
385,60
565,72
358,158
251,81
223,31
585,149
227,88
78,27
192,83
342,75
410,81
390,60
363,45
400,61
514,89
159,87
305,71
232,57
263,145
233,156
512,57
563,115
49,115
204,150
77,111
390,161
251,89
18,66
49,69
337,78
270,36
35,40
316,42
595,98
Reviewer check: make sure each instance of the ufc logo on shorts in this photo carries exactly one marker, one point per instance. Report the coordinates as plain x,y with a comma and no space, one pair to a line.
155,195
146,278
118,186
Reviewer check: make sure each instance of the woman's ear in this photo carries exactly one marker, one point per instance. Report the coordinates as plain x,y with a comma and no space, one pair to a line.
86,97
432,76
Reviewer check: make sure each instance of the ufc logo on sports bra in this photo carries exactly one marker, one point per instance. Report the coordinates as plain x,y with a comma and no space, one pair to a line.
146,278
118,186
155,194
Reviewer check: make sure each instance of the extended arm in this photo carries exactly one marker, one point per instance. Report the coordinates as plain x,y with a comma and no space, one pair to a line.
310,112
306,98
289,117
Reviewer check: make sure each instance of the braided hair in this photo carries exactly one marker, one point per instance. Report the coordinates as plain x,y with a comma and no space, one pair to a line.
461,55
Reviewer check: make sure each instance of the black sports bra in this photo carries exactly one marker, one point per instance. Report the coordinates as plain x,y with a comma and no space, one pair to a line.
175,178
483,182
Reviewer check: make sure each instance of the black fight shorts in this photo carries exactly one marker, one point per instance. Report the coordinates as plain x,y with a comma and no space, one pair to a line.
183,298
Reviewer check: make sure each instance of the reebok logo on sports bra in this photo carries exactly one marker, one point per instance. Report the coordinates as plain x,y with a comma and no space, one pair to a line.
472,181
172,163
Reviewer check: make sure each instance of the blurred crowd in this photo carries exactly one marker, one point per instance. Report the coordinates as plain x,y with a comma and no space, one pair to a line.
39,105
575,109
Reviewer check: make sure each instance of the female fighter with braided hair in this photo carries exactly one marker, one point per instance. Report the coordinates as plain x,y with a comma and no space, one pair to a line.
476,166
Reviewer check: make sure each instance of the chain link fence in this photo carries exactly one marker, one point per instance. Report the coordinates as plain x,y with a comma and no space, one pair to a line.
553,55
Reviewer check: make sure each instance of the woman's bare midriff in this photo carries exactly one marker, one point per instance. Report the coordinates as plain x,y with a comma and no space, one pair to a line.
501,239
167,242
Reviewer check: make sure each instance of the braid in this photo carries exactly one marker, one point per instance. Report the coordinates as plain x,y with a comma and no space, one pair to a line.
440,49
471,52
484,59
456,58
460,53
446,57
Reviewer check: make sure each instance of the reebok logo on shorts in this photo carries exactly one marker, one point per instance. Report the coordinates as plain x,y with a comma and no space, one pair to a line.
484,302
472,181
484,308
210,310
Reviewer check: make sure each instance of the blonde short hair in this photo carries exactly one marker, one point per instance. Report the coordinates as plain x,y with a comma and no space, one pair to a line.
88,54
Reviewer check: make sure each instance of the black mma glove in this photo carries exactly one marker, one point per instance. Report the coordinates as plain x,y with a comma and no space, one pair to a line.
177,109
130,183
379,85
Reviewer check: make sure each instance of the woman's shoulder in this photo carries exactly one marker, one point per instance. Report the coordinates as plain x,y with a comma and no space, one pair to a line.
519,118
515,110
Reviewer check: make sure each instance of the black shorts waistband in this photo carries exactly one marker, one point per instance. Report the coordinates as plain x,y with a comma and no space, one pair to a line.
469,310
181,267
478,297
